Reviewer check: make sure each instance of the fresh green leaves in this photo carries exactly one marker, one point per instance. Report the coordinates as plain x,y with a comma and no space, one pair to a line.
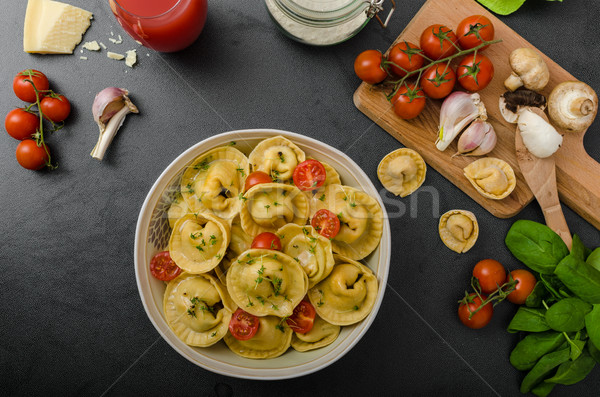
579,277
529,319
543,367
568,315
536,245
502,7
594,259
592,325
571,372
531,348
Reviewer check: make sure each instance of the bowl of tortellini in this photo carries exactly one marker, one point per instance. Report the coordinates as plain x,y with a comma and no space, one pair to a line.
235,306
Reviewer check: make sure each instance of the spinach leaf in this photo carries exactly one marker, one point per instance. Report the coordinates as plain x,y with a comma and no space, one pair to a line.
543,389
502,7
568,315
543,368
577,348
571,372
592,325
594,352
578,250
594,259
532,347
579,277
536,245
535,297
528,319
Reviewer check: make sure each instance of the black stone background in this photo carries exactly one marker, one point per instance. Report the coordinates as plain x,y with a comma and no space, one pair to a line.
71,320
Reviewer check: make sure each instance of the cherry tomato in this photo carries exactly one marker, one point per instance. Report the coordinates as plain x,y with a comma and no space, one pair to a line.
438,41
406,58
326,223
303,317
408,102
473,30
21,124
491,275
56,109
367,67
163,267
475,72
32,156
267,240
479,319
309,175
243,325
256,178
438,81
24,90
525,284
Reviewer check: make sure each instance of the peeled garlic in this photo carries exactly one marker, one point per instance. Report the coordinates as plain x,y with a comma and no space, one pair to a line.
478,139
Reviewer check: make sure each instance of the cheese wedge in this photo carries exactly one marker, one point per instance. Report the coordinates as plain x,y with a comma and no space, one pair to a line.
52,27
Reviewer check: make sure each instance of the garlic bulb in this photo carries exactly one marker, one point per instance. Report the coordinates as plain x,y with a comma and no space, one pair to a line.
458,110
539,137
478,139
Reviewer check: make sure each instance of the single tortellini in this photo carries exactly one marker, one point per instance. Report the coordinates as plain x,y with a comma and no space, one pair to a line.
198,242
269,206
459,230
311,250
361,220
491,177
278,157
347,295
402,171
177,209
214,181
321,335
240,242
265,282
198,309
271,340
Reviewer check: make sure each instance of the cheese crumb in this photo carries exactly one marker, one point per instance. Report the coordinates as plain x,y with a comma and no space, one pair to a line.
84,58
102,45
115,56
91,46
131,58
115,41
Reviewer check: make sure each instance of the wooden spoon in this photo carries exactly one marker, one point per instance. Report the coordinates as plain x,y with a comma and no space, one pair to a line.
540,175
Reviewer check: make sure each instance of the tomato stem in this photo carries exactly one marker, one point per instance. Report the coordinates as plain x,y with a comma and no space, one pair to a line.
494,298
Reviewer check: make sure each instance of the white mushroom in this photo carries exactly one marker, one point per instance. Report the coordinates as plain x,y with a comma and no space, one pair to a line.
529,70
539,137
572,106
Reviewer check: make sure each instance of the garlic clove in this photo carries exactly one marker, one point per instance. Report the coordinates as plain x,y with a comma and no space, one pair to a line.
458,110
487,145
478,139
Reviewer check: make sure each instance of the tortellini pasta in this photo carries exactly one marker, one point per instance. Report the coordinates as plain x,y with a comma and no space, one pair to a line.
347,295
311,250
269,206
491,177
198,242
213,182
402,171
271,340
198,309
459,230
361,220
266,282
278,157
321,335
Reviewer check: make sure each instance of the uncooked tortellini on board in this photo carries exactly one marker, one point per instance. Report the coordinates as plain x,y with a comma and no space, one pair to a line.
491,177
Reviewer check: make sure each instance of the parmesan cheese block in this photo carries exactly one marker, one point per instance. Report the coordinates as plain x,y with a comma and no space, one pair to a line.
52,27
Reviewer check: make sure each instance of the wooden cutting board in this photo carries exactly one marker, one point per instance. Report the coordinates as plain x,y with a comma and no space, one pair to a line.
577,173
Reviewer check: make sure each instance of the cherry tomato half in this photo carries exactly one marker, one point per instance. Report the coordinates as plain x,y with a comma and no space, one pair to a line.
491,275
32,156
267,240
408,102
303,317
475,72
473,30
326,223
406,58
163,267
309,175
479,319
367,67
438,41
24,90
21,124
243,325
438,81
256,178
55,108
526,283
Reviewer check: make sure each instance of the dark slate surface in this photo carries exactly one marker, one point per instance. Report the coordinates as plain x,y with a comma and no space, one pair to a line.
71,321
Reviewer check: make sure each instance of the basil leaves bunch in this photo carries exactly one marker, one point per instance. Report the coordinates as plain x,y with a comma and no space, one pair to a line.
561,315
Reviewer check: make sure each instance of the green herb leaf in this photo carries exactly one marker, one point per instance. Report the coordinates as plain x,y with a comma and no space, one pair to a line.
579,277
594,259
502,7
568,315
531,348
592,325
534,299
543,368
528,319
571,372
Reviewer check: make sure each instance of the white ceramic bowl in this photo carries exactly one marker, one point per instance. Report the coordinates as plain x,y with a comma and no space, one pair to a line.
152,235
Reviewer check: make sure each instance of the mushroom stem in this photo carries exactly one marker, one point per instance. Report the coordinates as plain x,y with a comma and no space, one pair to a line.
582,106
513,82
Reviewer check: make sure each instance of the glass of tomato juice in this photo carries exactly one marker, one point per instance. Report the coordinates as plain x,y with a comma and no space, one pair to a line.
163,25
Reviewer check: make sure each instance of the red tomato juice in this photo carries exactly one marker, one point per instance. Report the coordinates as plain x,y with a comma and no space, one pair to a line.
163,25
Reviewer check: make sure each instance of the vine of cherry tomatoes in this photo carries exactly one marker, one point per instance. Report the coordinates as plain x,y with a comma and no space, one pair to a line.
430,64
26,123
492,285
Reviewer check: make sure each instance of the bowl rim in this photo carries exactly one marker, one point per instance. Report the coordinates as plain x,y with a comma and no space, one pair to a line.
141,238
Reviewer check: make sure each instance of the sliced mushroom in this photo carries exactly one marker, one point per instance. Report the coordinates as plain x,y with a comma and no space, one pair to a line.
511,101
572,106
529,70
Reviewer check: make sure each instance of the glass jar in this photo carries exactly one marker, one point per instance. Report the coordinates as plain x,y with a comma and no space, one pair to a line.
324,22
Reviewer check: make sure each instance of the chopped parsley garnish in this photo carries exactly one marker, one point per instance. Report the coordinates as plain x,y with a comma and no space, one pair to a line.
199,248
322,198
213,239
241,197
281,157
232,143
203,165
196,235
261,300
241,171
